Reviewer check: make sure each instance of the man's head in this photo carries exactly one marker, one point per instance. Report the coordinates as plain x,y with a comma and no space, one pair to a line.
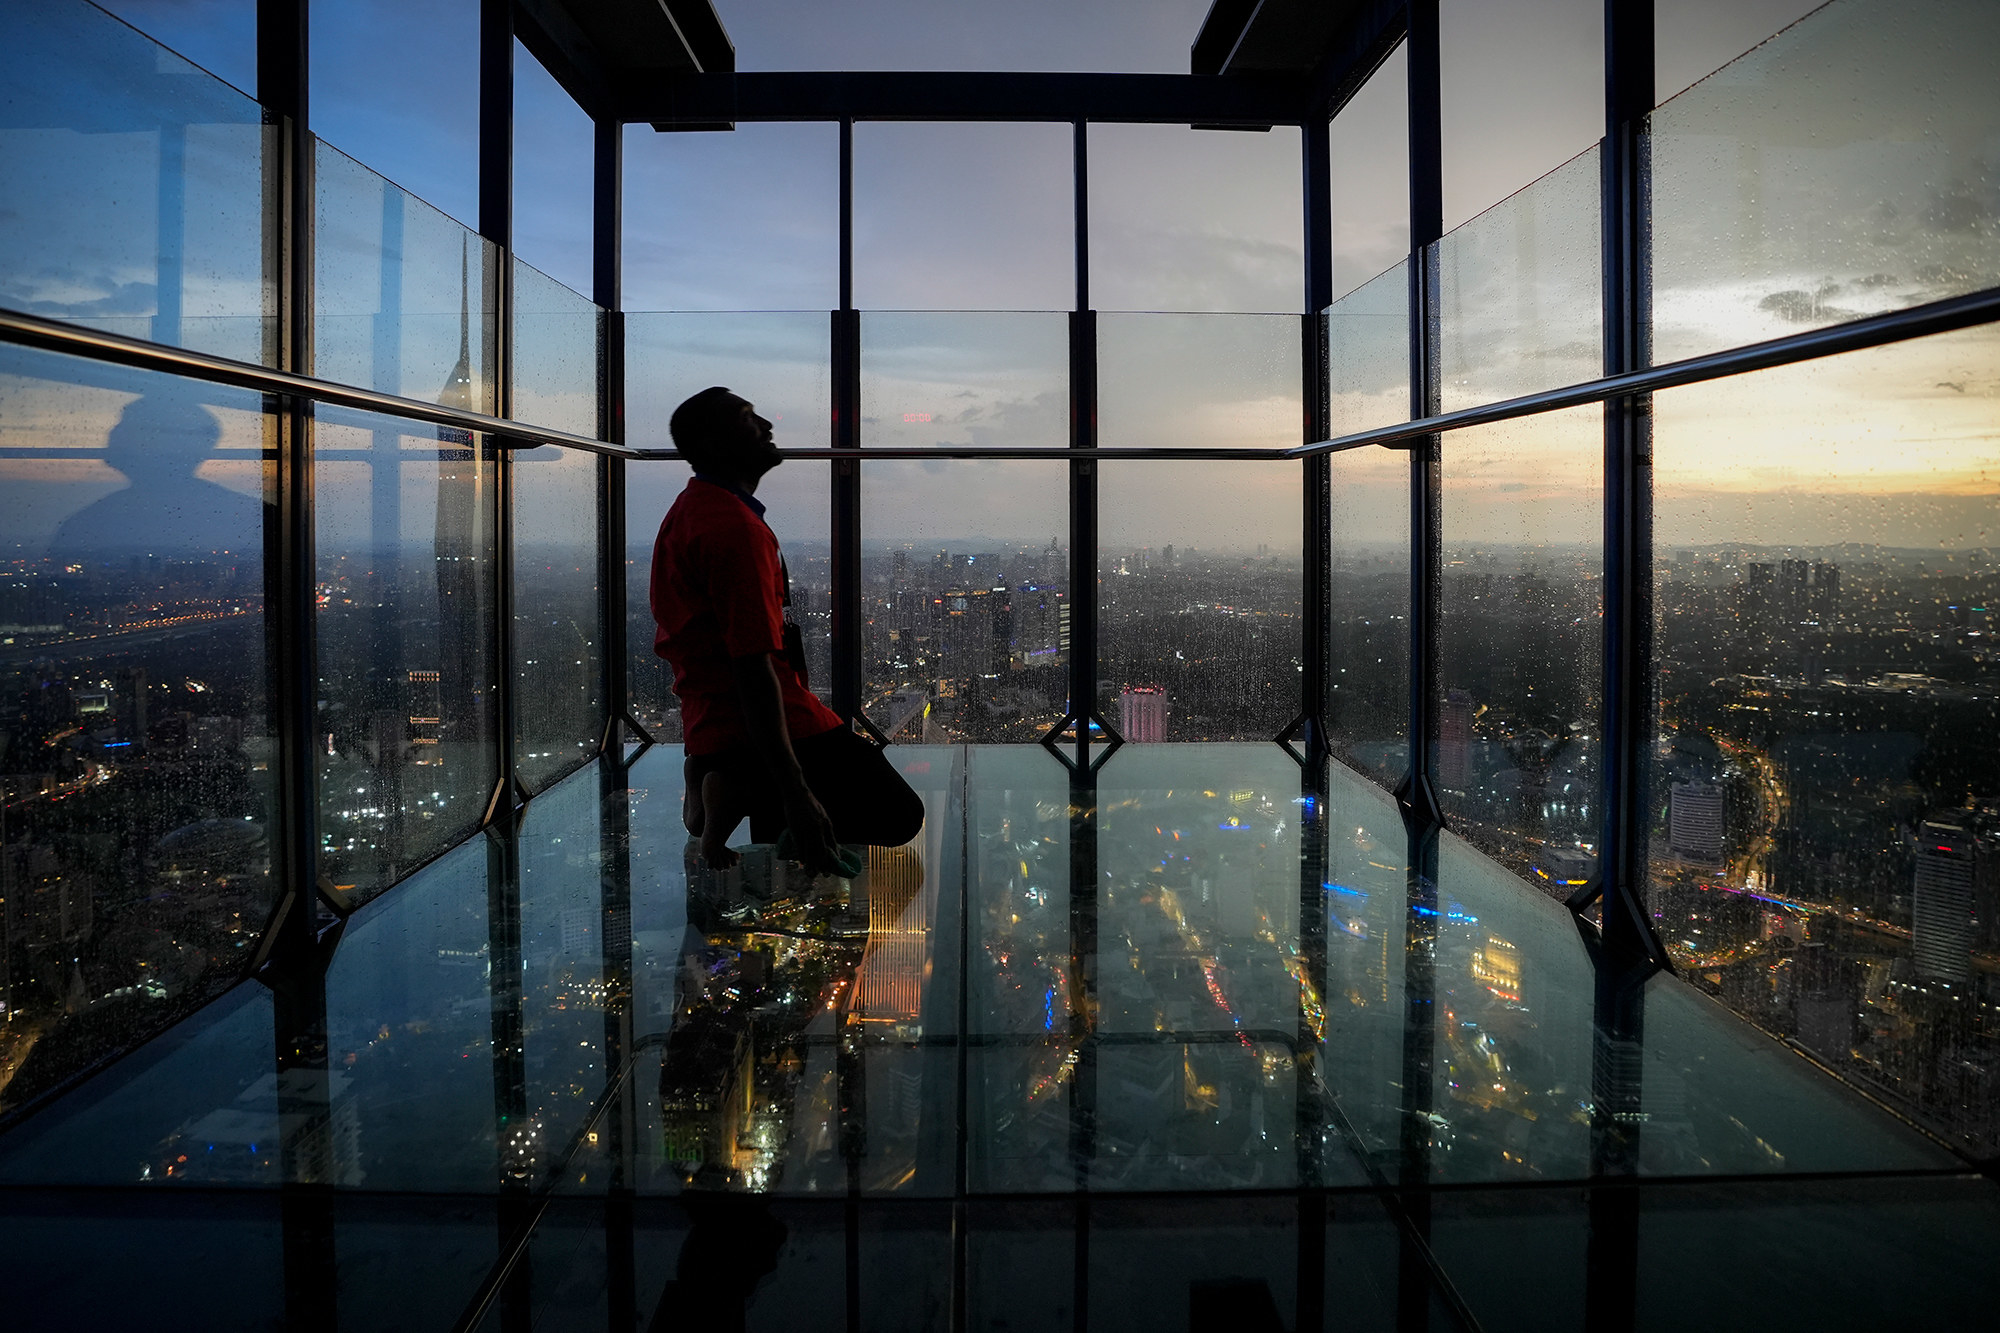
722,436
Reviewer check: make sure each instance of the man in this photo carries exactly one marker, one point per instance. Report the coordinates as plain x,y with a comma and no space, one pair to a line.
758,742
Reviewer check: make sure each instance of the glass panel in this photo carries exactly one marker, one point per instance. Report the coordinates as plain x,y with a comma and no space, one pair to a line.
1198,381
410,1023
1187,219
1199,599
1521,89
963,216
558,642
1368,354
1198,1001
1521,305
1694,38
410,105
1521,643
148,1119
563,991
1822,809
218,35
1368,688
980,379
1024,989
403,297
965,607
406,729
1784,199
555,146
1511,1055
1368,156
131,186
1366,882
744,220
779,361
137,752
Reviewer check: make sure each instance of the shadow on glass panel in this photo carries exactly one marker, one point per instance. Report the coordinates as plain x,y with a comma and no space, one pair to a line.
136,755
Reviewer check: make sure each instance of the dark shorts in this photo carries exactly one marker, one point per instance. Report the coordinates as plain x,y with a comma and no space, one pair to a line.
863,794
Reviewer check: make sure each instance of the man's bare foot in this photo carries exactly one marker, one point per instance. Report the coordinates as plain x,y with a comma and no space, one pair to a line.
690,801
720,816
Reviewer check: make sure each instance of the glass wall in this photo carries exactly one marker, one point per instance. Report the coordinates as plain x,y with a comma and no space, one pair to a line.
407,721
136,740
1520,635
965,605
1822,791
404,298
1786,200
135,187
558,356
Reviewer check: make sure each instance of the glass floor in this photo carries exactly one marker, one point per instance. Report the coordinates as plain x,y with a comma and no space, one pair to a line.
1176,1046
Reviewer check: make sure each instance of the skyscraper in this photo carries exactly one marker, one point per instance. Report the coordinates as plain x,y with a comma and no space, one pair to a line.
1454,766
1942,929
1694,822
1142,714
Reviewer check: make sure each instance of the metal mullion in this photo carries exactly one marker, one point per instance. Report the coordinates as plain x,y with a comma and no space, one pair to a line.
1627,665
1423,820
496,225
607,290
1083,473
1417,795
1627,951
1317,479
845,497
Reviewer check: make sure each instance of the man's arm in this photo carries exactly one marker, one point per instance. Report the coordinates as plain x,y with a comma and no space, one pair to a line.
764,718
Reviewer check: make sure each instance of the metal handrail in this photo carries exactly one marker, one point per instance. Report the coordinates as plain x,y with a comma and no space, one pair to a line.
1947,315
1955,312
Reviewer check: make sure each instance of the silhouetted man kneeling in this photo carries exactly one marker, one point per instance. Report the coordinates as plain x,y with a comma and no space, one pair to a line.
758,742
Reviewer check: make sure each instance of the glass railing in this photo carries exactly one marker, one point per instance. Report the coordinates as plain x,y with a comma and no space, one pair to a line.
1520,299
404,298
1784,199
1368,354
134,187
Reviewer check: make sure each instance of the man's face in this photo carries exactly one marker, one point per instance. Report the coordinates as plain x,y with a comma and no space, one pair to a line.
751,439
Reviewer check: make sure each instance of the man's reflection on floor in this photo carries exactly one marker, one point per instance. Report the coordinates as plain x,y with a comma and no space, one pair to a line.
781,974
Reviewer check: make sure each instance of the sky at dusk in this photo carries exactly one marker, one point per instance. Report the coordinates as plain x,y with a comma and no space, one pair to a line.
1783,199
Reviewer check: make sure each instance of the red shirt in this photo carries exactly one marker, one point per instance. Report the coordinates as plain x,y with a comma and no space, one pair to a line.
718,594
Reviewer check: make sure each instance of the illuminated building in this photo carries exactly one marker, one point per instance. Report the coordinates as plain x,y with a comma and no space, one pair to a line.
1942,928
1694,822
1142,714
1454,764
